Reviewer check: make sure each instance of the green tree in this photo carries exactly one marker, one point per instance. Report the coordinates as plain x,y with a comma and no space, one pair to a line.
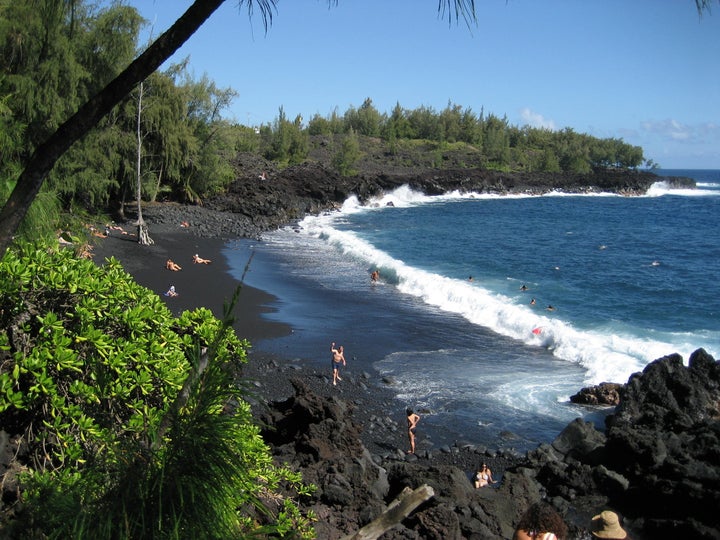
496,140
424,124
397,125
344,159
287,141
451,120
364,121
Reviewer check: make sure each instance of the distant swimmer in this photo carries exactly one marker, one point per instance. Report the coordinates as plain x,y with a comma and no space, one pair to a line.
375,275
532,302
524,288
550,308
470,278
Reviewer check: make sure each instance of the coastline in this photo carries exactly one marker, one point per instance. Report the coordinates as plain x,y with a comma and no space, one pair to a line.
331,434
269,375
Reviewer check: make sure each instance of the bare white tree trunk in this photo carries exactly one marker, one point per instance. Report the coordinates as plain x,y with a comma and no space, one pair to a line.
396,511
142,230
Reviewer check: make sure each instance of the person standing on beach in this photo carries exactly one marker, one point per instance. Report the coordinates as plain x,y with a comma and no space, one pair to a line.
412,420
338,357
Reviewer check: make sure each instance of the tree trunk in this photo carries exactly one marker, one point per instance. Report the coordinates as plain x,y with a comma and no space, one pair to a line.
398,510
45,156
143,235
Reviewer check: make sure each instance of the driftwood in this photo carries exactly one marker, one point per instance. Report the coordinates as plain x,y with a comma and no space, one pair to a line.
396,511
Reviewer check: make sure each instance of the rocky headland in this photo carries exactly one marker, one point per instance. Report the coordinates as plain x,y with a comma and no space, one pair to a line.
280,197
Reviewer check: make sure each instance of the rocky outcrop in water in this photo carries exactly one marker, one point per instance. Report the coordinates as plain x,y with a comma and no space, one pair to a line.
603,394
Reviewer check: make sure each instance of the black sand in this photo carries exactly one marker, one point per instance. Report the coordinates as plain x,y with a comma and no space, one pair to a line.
211,286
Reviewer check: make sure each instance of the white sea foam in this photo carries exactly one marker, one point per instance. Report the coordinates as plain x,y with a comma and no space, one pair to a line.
659,189
606,353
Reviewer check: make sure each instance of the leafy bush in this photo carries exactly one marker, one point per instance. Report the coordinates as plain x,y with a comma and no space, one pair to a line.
133,421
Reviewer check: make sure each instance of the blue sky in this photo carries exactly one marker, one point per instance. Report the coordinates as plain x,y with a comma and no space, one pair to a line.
646,71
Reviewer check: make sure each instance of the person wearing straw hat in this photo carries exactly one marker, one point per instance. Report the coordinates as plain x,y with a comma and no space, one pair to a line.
607,525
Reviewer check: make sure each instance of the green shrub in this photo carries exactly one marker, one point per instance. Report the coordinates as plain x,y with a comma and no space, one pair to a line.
134,420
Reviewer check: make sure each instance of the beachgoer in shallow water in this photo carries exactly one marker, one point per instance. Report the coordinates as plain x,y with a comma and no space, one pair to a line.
172,265
338,357
412,420
375,275
524,288
541,522
484,477
550,308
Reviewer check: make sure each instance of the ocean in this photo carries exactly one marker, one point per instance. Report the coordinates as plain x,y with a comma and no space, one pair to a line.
461,322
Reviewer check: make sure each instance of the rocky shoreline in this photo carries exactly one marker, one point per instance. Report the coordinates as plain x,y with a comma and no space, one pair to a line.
655,463
262,202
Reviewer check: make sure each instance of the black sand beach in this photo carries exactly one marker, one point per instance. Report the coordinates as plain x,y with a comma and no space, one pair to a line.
212,285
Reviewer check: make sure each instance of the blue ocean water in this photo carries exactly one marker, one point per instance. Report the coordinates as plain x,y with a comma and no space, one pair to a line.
630,279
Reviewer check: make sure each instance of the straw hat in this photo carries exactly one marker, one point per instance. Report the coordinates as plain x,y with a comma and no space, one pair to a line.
607,525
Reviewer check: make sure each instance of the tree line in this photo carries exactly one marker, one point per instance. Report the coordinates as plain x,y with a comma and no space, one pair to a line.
53,59
499,144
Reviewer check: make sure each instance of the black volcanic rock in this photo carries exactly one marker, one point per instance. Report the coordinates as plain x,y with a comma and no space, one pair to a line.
288,195
602,394
658,462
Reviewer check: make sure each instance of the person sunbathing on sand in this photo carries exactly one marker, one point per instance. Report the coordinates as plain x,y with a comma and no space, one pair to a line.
171,291
172,265
199,260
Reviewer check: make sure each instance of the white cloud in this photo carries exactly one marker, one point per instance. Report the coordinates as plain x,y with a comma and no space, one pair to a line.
536,120
673,130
